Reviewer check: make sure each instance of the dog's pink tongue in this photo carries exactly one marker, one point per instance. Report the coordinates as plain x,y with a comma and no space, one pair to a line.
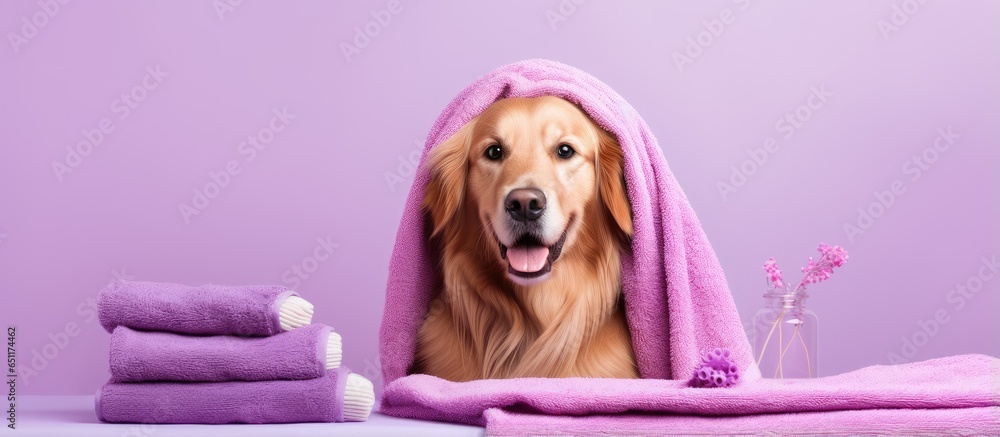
527,259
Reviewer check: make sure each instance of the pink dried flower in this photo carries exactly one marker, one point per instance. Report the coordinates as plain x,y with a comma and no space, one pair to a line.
818,271
773,273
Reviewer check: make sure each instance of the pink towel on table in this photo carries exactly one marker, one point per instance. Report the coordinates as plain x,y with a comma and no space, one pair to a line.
968,386
677,302
930,422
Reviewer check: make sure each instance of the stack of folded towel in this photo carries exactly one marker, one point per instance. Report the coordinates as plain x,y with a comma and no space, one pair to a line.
223,354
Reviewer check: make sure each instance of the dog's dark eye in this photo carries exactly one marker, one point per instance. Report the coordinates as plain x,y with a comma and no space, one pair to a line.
565,151
493,152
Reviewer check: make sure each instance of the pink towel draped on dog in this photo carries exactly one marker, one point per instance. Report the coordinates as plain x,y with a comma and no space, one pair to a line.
677,302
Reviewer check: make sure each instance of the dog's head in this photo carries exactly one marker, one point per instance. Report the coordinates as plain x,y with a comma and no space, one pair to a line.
533,171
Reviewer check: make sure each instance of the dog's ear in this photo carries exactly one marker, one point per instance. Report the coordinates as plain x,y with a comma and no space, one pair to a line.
448,164
611,181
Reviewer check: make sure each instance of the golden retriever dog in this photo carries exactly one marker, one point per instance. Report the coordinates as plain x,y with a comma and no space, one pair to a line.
528,210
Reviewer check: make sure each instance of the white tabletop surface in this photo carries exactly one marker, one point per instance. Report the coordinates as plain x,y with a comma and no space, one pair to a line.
74,416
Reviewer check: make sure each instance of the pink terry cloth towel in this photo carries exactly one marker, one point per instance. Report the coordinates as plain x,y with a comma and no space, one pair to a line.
926,422
952,395
677,302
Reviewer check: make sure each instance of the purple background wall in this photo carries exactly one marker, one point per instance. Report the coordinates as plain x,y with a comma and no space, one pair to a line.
337,171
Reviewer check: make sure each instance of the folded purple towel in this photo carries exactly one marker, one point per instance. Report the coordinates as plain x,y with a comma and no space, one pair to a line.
303,353
207,309
310,400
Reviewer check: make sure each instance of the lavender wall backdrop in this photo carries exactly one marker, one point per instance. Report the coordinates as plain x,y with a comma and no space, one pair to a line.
170,98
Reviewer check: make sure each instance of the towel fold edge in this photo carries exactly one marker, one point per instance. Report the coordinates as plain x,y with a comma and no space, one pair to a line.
102,317
359,398
333,351
290,311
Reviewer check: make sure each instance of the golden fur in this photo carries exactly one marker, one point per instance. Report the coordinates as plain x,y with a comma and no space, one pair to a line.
481,323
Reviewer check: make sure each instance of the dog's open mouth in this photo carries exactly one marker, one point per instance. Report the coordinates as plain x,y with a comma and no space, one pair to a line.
529,258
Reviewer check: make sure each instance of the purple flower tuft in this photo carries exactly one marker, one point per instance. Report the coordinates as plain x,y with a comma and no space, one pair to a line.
773,273
818,271
716,370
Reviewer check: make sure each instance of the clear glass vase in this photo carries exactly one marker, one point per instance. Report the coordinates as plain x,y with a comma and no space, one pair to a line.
785,335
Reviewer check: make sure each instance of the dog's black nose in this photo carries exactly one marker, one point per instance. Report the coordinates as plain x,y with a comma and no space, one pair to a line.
525,204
